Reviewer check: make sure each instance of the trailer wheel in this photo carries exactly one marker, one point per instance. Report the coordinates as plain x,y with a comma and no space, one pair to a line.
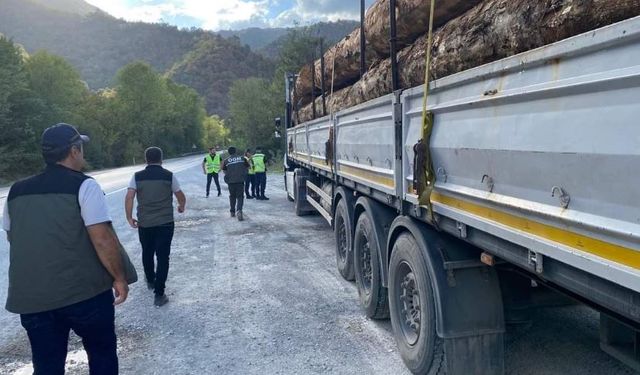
412,308
342,231
368,273
299,183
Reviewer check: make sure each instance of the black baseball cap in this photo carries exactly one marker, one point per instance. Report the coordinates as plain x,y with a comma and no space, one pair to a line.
59,136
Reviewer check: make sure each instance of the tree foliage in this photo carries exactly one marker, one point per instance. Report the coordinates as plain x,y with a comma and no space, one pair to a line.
144,109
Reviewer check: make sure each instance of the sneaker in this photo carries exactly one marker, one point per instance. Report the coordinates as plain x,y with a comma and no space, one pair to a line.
233,214
160,300
240,217
150,285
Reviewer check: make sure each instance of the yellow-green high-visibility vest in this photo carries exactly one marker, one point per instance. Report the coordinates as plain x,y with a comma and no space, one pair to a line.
258,163
252,170
212,163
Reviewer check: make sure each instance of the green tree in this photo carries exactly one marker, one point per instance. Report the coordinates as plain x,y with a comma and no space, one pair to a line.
215,132
253,108
143,101
20,114
59,87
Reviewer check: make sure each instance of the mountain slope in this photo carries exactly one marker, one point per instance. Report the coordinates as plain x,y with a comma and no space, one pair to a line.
69,6
214,65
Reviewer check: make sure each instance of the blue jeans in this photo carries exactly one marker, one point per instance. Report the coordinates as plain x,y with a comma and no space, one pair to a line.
261,183
92,320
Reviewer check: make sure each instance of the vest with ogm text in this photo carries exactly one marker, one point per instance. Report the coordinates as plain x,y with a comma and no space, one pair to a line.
212,164
236,169
258,163
155,196
52,262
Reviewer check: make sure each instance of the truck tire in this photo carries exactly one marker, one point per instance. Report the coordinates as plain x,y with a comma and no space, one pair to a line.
412,308
342,232
368,273
299,183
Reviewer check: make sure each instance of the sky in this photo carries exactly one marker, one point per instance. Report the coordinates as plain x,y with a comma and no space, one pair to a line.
232,14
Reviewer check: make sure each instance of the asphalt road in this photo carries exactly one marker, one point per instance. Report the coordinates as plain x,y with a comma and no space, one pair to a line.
263,296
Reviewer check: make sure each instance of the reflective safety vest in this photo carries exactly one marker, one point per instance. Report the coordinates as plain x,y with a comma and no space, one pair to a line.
252,169
258,163
212,163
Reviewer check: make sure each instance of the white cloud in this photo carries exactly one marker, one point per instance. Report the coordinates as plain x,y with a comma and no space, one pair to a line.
212,14
232,14
311,11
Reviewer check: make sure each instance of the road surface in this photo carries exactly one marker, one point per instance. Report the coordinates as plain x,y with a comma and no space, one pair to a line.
264,297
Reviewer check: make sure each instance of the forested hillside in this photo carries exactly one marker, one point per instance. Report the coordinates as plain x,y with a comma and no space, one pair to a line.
96,44
213,66
331,32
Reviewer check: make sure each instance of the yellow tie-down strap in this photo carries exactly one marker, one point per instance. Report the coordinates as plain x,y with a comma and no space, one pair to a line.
606,250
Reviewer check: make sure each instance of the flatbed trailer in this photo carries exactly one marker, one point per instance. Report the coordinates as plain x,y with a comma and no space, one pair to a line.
537,183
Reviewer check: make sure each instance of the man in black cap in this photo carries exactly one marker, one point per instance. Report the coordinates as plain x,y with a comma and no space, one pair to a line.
65,261
235,169
154,187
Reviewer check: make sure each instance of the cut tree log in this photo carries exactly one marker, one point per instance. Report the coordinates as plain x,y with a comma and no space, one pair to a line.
412,21
492,30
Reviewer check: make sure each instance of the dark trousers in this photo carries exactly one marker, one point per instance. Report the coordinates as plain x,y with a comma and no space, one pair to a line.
261,183
156,241
92,320
250,185
215,178
236,196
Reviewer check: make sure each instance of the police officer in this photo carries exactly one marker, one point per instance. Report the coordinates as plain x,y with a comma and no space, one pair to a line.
250,181
235,169
211,168
64,258
155,187
260,168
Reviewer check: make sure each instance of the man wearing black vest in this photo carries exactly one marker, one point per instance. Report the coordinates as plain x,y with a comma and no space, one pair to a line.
155,187
64,258
235,169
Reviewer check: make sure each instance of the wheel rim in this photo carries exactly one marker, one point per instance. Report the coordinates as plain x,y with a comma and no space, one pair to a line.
342,240
408,303
366,267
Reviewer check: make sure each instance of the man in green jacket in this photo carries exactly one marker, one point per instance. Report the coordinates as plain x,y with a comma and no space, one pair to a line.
211,168
260,168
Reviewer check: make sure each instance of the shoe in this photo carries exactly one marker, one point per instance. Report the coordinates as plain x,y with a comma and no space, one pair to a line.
160,300
249,196
150,286
265,198
233,214
207,195
219,193
259,198
240,217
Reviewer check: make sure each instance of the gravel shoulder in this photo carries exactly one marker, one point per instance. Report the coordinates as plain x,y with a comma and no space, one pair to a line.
263,296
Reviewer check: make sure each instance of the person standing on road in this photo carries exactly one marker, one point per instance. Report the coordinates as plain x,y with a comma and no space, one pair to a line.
235,169
154,187
211,168
250,181
260,168
65,258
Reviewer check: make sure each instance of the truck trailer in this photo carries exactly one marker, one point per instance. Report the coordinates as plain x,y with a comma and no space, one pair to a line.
536,182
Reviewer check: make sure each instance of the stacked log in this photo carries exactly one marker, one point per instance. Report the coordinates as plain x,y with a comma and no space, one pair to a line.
412,19
492,30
